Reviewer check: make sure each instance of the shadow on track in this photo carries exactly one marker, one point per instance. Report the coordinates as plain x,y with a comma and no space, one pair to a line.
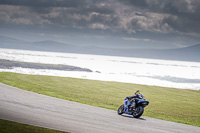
129,116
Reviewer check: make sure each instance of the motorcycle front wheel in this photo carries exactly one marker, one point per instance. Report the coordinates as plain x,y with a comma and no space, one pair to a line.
120,109
138,112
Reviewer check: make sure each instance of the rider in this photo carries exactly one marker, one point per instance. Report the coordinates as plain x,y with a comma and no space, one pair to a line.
133,99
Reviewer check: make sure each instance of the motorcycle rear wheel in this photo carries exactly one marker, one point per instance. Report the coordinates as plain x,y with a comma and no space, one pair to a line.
120,110
138,112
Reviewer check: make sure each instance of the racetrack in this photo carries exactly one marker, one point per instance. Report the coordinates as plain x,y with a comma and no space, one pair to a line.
44,111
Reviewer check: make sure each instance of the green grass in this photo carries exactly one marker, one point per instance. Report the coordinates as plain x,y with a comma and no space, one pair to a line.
178,105
14,127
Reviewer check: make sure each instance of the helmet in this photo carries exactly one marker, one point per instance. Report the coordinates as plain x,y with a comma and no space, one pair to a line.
137,92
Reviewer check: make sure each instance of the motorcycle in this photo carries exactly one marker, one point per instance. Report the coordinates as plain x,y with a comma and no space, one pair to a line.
137,111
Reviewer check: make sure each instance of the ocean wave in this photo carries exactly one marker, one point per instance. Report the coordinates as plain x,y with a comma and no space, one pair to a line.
177,74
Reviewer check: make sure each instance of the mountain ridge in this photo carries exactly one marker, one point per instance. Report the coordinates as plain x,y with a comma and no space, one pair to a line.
191,53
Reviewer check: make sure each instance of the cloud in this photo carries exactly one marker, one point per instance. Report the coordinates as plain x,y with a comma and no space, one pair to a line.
43,3
180,15
117,17
21,15
127,15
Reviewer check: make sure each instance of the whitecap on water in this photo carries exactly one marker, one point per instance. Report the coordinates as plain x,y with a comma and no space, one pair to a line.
177,74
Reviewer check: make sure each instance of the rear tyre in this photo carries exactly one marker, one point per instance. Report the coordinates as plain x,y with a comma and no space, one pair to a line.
120,109
138,112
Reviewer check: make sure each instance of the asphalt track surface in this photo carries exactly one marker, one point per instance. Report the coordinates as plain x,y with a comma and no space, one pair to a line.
44,111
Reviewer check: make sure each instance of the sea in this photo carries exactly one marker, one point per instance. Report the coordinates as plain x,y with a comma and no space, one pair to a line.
164,73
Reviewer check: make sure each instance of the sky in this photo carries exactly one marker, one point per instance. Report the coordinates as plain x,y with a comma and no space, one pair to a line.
160,24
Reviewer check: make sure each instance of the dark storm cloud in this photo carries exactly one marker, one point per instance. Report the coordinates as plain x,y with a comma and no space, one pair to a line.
164,6
59,12
124,18
43,3
182,15
142,15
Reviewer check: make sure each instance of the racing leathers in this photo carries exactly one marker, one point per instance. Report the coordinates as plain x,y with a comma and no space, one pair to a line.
133,99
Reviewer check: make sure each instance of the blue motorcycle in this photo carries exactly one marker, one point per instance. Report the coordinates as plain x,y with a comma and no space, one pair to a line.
137,111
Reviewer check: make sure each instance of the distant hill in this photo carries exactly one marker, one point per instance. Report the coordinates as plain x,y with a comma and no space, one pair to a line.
191,53
6,42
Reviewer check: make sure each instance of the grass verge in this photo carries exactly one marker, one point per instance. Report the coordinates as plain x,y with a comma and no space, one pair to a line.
177,105
14,127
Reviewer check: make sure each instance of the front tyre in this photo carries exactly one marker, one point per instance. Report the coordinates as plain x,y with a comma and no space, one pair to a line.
138,112
120,109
